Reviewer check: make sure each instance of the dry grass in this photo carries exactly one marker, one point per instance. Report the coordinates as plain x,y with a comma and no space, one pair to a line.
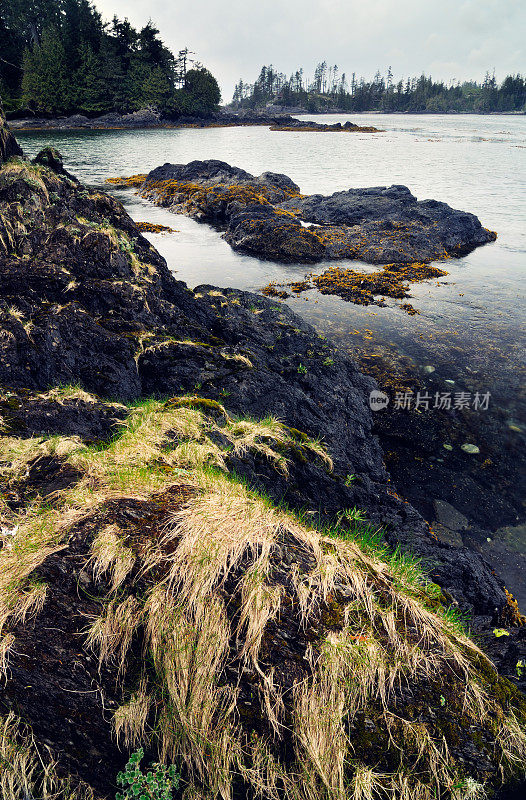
241,359
31,174
112,633
225,541
26,772
68,392
112,557
129,721
16,454
224,533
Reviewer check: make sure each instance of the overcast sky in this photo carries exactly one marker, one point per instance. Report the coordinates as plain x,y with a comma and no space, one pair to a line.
443,38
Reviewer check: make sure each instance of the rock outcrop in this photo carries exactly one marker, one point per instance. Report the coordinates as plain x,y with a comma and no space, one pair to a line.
85,299
268,217
8,144
156,601
186,566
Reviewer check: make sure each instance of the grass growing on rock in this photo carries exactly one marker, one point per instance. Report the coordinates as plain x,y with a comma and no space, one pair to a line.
27,771
277,660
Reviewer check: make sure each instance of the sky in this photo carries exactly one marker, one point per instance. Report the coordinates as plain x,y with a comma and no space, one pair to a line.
447,39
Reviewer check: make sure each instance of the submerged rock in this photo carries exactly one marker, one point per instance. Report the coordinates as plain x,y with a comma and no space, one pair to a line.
267,216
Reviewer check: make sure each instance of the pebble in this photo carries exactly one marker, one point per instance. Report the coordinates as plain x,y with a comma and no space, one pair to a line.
448,380
447,446
470,448
429,369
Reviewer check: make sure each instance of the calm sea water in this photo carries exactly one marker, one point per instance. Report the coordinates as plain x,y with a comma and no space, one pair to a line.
471,323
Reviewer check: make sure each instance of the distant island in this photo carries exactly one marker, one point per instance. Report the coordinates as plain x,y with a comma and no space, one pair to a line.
330,90
58,57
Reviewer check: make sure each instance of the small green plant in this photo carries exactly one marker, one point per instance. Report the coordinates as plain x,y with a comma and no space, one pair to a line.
352,515
349,480
157,784
520,668
328,362
302,369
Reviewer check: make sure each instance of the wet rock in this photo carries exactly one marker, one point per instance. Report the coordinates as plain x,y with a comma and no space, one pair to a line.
472,449
50,157
284,124
25,119
447,535
264,216
211,172
273,238
449,516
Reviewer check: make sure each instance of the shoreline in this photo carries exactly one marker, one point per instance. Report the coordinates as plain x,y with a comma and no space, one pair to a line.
278,122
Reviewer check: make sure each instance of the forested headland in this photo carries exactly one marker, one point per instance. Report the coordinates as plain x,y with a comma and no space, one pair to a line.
60,57
330,89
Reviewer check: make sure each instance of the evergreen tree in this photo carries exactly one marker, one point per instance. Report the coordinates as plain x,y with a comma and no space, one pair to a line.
413,94
57,56
201,91
45,85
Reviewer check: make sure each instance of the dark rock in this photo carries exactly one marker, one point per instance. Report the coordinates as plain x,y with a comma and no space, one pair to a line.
205,172
449,516
273,237
8,144
447,535
266,216
50,157
26,414
85,299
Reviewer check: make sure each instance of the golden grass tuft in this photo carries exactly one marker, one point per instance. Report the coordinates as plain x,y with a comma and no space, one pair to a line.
224,534
366,619
129,721
26,772
111,556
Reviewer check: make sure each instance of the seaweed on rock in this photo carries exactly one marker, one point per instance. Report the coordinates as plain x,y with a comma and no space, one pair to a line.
268,216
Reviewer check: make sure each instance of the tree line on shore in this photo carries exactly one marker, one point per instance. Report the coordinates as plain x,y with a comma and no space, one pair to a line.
330,88
60,57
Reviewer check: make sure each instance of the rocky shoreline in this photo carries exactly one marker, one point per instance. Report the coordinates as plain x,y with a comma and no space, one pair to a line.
101,348
151,118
